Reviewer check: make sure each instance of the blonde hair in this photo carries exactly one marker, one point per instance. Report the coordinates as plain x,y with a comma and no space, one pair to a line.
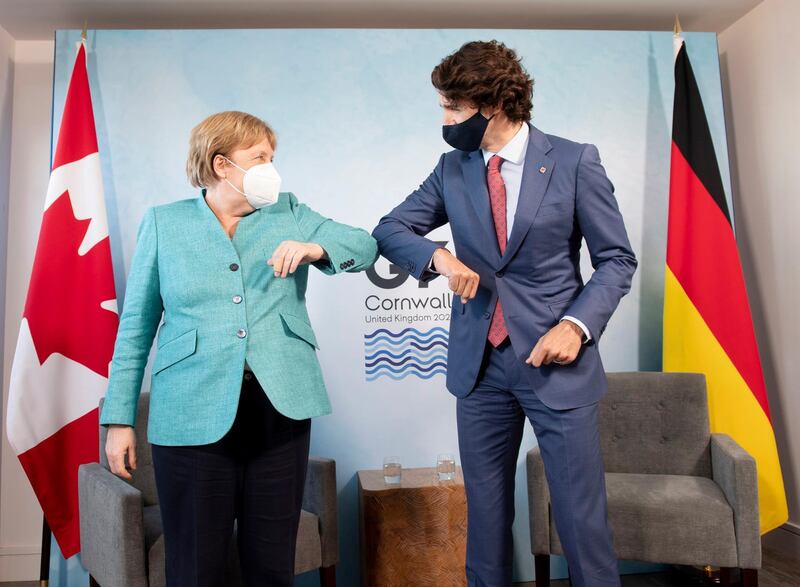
221,134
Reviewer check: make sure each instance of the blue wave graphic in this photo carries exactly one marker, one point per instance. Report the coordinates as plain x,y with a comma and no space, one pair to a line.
415,337
407,345
409,352
422,353
416,361
433,366
406,374
406,330
423,347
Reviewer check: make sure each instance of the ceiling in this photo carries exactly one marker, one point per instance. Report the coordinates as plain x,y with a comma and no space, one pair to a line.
37,19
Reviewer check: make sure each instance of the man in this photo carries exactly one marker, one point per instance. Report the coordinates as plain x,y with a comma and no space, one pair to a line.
525,329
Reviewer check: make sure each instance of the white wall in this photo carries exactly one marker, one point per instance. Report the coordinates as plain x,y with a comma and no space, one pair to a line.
6,109
761,75
20,514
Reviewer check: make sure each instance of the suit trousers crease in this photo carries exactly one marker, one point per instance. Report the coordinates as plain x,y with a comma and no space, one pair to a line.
490,427
254,475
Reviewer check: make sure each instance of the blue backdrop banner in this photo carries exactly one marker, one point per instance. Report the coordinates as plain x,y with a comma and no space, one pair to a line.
359,127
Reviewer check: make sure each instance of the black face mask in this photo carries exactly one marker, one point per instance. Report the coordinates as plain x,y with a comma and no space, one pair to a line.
467,135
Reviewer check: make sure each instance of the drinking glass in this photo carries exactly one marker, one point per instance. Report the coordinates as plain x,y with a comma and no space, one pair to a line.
446,467
392,470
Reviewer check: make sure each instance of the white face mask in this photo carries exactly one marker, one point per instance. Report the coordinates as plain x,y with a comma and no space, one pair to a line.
261,184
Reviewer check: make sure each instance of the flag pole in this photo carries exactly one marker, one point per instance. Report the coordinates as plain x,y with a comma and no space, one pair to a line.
44,563
676,28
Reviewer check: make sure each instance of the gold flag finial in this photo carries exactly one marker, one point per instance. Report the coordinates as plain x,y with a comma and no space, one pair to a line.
676,29
83,32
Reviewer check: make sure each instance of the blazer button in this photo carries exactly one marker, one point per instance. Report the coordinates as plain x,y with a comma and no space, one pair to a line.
486,315
234,267
241,333
237,299
499,274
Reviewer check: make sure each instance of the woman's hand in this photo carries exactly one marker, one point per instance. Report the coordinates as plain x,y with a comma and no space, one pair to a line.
291,254
121,441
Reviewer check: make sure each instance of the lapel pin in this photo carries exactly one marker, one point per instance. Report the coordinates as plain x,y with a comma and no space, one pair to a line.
542,169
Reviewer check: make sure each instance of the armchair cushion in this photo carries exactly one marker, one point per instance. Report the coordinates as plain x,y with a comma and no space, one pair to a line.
670,519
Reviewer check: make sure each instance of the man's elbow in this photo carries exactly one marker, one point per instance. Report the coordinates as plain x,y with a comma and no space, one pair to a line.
385,232
631,261
383,228
629,264
379,232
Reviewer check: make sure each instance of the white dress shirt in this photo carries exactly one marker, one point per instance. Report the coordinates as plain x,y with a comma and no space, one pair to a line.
513,155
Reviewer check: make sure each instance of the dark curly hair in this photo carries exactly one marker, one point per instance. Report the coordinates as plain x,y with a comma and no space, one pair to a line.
486,74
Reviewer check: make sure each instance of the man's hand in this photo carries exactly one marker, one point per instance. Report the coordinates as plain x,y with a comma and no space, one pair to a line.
291,254
560,345
121,441
462,280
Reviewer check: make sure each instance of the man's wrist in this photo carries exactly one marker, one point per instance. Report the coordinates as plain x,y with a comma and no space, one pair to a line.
437,254
587,336
575,328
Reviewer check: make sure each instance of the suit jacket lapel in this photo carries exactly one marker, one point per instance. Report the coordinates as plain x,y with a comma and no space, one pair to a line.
474,170
535,178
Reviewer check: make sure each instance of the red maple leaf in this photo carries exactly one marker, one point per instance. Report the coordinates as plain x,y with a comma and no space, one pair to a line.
66,289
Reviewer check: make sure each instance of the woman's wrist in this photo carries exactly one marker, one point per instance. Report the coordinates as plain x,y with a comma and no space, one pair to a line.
323,254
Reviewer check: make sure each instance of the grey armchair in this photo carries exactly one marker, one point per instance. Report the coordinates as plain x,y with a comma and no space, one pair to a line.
677,494
121,537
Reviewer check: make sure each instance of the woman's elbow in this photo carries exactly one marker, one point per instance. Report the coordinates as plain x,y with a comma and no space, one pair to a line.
369,248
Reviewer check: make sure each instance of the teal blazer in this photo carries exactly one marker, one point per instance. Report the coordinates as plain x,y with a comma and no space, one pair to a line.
222,305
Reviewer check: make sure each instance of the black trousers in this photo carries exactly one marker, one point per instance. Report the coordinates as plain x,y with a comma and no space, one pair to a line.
254,474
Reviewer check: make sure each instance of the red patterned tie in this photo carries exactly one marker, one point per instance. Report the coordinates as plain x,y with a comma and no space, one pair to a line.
497,198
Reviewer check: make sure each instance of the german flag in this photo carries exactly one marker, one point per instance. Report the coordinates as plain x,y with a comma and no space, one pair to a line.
707,323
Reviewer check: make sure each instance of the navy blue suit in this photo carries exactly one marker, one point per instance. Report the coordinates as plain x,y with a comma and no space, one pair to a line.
565,196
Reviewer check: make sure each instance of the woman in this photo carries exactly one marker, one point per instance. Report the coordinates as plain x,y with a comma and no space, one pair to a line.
235,377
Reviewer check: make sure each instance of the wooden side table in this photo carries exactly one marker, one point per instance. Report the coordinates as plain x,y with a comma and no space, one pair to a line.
413,534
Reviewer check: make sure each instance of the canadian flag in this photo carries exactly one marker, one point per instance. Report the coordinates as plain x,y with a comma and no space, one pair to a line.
66,339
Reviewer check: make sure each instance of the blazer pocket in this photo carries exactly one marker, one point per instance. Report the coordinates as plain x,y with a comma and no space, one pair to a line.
557,308
555,208
300,328
175,350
